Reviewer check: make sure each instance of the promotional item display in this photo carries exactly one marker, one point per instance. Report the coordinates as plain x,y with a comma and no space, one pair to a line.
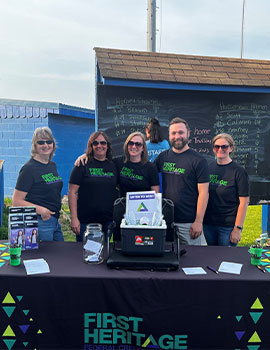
16,227
23,227
143,230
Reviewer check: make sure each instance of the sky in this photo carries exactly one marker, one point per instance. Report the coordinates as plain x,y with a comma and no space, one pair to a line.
47,45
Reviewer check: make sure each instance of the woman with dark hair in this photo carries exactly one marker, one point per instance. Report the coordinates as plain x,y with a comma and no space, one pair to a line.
155,142
228,196
92,187
39,185
135,172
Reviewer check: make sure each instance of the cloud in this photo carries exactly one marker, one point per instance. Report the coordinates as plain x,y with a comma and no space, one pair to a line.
48,45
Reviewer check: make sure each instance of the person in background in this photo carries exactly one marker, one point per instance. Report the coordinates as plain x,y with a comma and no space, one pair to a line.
155,142
92,186
39,185
135,172
185,180
228,196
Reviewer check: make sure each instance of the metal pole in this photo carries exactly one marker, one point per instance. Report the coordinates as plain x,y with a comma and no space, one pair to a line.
151,26
242,31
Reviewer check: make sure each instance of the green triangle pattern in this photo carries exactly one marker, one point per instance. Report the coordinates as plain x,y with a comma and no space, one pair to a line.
7,257
9,310
19,297
4,248
9,332
255,338
264,263
8,299
25,312
253,347
9,343
1,264
257,304
25,343
267,269
255,316
238,318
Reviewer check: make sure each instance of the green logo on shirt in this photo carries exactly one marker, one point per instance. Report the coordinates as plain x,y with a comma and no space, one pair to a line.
170,168
127,172
50,178
99,172
214,180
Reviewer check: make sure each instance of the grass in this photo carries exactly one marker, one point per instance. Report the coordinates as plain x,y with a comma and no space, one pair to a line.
252,226
251,231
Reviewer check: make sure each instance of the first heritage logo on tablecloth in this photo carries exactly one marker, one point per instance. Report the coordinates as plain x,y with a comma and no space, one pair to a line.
103,331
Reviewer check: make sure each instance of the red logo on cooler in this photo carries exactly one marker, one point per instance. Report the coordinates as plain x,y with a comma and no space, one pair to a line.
138,239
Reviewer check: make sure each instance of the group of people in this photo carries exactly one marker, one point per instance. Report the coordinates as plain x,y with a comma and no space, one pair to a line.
210,199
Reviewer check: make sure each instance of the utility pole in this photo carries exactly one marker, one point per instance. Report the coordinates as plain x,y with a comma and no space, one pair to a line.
242,31
151,26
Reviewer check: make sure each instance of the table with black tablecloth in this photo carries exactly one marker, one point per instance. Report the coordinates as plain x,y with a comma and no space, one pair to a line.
81,306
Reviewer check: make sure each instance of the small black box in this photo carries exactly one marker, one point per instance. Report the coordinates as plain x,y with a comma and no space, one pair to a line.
143,240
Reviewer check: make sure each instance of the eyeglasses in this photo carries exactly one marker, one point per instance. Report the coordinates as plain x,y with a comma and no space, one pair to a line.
136,144
223,147
42,142
96,143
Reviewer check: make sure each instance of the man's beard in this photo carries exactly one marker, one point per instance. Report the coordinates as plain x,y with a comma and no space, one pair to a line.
179,143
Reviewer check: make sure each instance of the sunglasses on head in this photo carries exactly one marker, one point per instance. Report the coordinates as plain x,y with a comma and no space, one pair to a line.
137,144
223,147
42,142
96,143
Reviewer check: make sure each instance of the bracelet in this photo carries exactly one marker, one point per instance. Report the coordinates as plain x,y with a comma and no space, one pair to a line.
239,227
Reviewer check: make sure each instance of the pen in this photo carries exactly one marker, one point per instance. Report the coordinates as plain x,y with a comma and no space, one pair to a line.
260,268
211,269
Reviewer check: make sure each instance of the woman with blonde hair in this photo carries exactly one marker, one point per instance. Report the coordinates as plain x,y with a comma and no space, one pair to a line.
135,172
39,185
228,195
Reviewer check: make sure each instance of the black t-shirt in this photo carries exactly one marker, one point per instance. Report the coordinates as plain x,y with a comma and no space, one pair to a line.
42,184
97,192
227,183
181,173
135,177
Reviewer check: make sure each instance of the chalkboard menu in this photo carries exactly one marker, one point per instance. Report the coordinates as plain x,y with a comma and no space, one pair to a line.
245,116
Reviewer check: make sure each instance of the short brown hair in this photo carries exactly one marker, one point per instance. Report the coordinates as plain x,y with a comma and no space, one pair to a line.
89,151
178,120
144,155
45,133
227,137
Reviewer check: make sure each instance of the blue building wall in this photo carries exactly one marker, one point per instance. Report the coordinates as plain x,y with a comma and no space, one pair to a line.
15,145
19,119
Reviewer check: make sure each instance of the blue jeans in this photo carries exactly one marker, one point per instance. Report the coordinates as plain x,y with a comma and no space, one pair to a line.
105,226
49,230
218,235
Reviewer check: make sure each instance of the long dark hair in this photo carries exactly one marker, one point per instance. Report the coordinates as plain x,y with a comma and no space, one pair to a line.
155,132
89,151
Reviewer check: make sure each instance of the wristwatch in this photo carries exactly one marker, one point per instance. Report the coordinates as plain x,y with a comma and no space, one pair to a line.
239,227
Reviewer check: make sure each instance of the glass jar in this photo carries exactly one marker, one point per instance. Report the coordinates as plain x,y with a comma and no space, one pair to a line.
93,244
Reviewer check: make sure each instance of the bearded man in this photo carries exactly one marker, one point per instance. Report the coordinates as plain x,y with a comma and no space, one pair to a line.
185,180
